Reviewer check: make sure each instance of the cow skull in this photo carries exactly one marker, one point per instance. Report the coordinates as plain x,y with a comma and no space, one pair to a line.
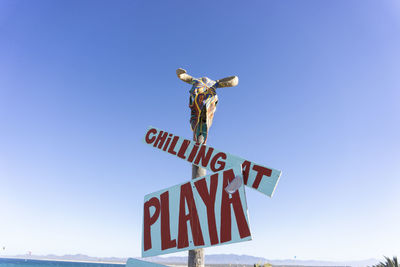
203,101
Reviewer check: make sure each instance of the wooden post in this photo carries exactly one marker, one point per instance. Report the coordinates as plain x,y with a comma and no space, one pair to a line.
196,256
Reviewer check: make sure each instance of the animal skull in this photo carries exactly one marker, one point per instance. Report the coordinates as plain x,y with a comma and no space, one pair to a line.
203,101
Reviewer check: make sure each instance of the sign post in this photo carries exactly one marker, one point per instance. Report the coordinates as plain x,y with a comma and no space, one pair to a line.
203,102
196,256
208,210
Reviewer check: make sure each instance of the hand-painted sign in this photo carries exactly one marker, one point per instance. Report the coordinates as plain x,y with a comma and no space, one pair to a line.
195,214
131,262
261,178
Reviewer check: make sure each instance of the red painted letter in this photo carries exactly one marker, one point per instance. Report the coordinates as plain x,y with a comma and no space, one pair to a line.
166,241
167,143
226,202
149,220
204,158
183,148
147,138
193,152
261,171
173,144
160,139
192,217
245,171
209,200
221,163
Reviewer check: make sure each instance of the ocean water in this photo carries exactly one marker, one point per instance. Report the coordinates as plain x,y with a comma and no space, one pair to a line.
40,263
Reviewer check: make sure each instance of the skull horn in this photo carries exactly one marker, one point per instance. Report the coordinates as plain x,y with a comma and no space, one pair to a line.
228,82
183,76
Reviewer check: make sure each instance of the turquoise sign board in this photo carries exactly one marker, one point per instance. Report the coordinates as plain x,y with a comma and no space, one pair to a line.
131,262
259,177
196,214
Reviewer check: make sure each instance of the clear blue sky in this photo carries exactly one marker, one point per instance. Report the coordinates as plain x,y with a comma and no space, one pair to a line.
318,98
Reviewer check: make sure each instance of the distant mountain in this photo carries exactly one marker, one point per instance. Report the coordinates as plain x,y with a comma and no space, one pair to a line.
251,260
222,259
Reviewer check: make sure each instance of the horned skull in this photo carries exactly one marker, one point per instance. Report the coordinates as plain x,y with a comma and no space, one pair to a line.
203,101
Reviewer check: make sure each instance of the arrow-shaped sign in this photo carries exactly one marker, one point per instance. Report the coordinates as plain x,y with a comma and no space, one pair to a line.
196,214
256,176
131,262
